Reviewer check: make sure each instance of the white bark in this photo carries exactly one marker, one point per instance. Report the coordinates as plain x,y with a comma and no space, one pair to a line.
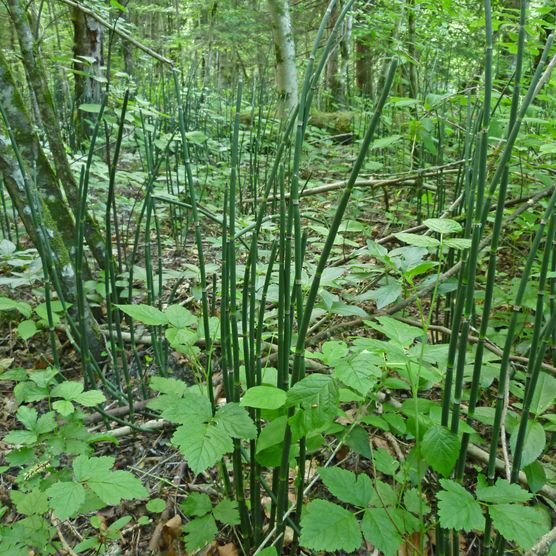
284,46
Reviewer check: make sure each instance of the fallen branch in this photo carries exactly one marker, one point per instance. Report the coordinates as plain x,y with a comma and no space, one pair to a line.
544,544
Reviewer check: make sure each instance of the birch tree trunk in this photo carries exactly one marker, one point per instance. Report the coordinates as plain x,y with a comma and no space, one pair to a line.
284,47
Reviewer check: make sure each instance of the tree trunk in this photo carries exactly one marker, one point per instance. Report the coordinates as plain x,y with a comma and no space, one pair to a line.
284,48
34,156
36,77
87,65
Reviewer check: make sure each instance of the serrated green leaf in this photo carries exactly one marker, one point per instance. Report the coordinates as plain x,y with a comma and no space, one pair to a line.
457,509
166,385
63,407
197,504
227,512
235,421
347,486
417,240
199,532
440,448
264,397
202,446
329,527
520,524
193,409
502,492
380,531
90,398
358,372
27,416
316,391
443,225
114,486
34,502
68,390
46,423
66,498
145,313
85,467
20,437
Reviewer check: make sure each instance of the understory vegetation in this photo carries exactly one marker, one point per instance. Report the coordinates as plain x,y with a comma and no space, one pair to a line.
277,278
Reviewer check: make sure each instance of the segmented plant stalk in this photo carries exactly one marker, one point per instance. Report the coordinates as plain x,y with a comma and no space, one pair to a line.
299,354
491,270
198,236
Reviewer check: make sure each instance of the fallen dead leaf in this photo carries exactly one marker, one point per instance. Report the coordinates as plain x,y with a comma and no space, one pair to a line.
171,531
229,549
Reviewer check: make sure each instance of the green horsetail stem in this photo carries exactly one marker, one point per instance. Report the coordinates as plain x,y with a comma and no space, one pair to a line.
496,233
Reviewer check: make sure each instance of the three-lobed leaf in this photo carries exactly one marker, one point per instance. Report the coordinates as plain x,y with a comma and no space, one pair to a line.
457,509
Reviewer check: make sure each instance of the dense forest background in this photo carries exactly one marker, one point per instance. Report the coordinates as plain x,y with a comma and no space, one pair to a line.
277,277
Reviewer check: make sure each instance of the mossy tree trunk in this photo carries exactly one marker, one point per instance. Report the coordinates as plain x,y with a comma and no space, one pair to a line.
87,65
18,184
38,84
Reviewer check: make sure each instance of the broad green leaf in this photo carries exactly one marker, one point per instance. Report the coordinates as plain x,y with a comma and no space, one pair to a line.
27,329
341,308
85,468
7,304
197,504
264,397
68,390
63,407
269,551
400,332
199,532
227,512
386,294
30,503
417,240
90,108
533,446
359,372
329,527
385,142
114,486
202,446
457,509
347,486
20,437
66,498
444,226
46,423
90,398
179,316
270,437
502,492
235,421
156,505
332,352
379,529
440,448
358,441
520,524
191,408
536,476
383,495
545,394
459,243
145,313
27,416
168,385
318,395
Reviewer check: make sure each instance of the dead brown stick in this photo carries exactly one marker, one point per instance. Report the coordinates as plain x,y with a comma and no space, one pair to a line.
384,182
